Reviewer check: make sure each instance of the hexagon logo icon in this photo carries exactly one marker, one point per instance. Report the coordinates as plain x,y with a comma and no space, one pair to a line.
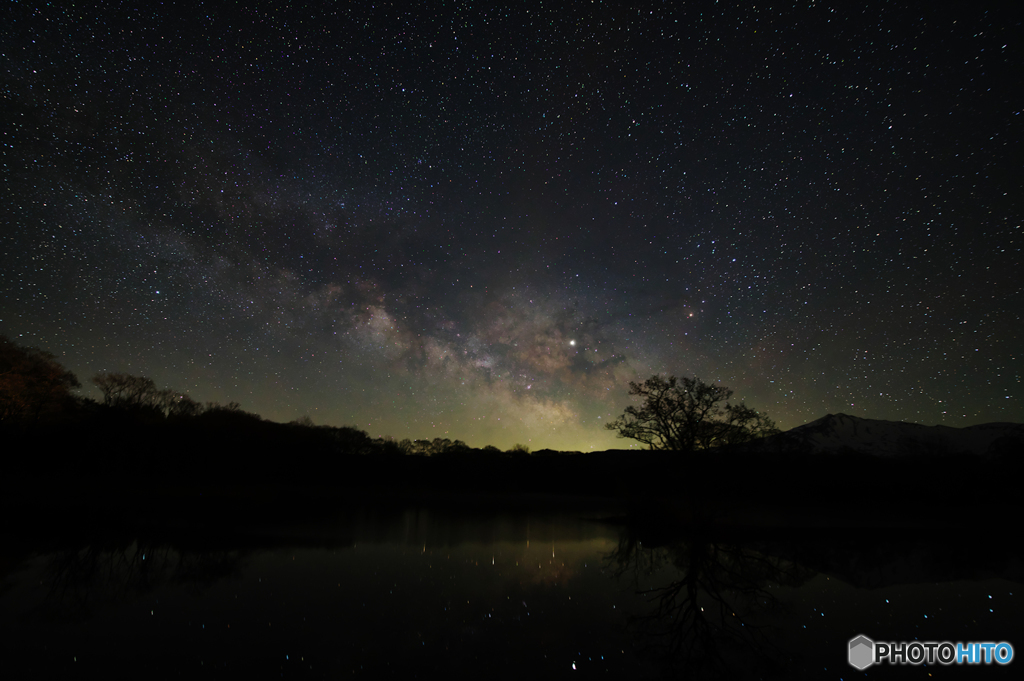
862,652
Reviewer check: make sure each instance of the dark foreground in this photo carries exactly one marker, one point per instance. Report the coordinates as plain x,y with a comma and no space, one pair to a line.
470,586
134,464
195,475
151,552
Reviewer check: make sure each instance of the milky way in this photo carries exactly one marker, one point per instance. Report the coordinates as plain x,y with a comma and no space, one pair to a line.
480,222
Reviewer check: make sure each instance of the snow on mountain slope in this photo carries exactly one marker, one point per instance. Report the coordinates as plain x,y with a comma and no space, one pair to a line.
839,432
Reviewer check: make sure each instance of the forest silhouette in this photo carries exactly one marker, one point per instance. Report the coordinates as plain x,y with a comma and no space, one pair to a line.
145,450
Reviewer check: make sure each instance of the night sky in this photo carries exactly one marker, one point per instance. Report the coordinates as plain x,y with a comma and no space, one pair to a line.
480,221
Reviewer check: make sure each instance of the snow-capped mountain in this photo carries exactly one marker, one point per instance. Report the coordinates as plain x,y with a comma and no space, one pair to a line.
837,433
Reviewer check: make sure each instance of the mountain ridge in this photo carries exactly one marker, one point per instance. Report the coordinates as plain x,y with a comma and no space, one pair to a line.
842,433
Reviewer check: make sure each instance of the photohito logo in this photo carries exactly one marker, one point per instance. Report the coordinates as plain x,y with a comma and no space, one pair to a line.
863,652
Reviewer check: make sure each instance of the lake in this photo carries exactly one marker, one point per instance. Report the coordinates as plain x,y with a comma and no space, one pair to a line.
552,592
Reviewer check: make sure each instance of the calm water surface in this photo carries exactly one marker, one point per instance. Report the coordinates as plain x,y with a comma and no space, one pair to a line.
415,592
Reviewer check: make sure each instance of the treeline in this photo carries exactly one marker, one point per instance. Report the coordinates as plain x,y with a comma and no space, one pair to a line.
34,387
143,438
140,431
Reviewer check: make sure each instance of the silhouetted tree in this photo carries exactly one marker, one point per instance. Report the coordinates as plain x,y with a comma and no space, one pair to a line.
130,392
352,440
708,621
230,407
179,405
140,394
686,414
32,383
84,579
439,445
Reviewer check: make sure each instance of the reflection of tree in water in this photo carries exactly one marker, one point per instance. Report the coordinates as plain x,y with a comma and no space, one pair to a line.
84,579
709,622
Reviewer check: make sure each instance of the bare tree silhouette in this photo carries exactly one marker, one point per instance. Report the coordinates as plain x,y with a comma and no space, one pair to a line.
685,414
32,383
129,392
707,623
83,579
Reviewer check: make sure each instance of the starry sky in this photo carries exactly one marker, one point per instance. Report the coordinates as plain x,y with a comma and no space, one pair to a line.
480,221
